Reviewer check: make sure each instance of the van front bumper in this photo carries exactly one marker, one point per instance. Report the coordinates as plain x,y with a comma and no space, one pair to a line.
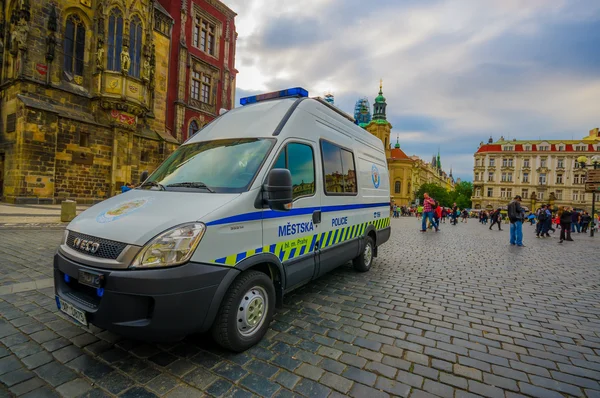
156,305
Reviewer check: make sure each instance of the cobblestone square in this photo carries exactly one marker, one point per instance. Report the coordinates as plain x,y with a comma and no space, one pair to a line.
458,313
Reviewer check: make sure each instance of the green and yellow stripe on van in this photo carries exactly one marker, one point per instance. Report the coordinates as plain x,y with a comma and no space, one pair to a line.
297,247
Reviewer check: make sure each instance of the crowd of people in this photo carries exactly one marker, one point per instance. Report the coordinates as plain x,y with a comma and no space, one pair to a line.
545,218
431,207
432,214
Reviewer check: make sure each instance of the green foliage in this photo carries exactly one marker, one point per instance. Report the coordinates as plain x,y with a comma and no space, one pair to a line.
436,192
461,194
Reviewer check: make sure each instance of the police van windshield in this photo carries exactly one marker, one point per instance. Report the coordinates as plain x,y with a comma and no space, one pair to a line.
226,166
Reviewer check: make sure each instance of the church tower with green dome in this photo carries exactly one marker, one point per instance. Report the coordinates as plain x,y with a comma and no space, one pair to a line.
380,105
379,126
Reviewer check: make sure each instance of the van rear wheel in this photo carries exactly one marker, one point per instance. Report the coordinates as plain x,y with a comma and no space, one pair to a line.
363,262
246,311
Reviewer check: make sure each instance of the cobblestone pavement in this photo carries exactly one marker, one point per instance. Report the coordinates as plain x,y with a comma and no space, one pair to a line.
457,313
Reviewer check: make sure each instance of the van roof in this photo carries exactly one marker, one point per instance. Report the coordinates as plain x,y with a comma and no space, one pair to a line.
263,118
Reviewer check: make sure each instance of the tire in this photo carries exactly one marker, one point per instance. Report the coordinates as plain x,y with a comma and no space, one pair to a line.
241,321
363,262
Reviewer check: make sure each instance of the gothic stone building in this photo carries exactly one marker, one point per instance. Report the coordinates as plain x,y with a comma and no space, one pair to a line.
83,96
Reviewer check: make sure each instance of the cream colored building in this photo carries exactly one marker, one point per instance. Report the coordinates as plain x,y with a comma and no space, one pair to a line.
541,171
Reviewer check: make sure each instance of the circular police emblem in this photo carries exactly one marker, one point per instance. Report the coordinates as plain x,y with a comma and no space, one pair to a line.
121,210
375,176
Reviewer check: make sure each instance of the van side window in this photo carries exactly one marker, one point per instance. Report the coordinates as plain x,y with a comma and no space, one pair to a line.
300,161
339,170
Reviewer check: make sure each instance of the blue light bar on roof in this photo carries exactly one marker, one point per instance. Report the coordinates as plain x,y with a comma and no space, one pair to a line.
290,92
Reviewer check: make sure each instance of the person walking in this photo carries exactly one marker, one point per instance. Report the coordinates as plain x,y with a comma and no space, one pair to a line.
565,224
515,216
575,222
541,218
585,222
550,225
428,207
495,217
547,225
437,213
454,214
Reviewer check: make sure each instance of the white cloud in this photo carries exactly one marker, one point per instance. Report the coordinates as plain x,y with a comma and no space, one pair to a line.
472,66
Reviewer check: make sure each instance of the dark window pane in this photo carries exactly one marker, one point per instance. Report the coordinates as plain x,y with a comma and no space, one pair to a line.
80,50
111,42
193,128
349,171
69,44
302,167
397,187
118,42
280,163
332,167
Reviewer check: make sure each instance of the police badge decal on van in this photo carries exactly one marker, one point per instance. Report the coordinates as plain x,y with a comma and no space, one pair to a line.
375,176
122,210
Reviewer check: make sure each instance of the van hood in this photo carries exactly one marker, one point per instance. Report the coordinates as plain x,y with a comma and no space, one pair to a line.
137,216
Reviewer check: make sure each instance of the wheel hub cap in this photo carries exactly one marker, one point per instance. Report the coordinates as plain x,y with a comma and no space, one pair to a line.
368,255
252,310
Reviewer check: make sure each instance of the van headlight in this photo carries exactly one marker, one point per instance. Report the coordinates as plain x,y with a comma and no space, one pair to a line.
172,247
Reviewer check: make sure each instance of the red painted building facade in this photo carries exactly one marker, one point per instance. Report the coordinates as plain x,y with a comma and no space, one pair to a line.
202,72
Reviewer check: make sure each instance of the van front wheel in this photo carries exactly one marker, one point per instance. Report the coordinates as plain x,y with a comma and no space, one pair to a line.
246,312
363,262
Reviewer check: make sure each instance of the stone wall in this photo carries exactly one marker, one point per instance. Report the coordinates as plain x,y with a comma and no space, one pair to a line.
65,141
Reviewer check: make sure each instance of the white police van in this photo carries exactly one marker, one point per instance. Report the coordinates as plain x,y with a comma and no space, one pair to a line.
266,198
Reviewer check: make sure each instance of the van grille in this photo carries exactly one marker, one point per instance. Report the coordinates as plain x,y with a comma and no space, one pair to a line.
108,249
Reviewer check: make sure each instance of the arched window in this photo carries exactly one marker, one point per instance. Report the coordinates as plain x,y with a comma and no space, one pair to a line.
115,39
135,46
74,45
397,187
193,128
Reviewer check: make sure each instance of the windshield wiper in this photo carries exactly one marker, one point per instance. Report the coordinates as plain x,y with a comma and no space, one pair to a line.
192,185
153,184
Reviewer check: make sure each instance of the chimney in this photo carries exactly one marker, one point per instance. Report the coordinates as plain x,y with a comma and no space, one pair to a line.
595,133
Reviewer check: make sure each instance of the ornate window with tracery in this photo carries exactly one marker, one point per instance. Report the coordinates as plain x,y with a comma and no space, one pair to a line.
74,45
115,39
135,46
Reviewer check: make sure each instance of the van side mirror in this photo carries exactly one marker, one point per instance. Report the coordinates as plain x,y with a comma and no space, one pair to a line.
278,189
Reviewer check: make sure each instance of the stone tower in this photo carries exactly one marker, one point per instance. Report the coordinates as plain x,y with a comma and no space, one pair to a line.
379,126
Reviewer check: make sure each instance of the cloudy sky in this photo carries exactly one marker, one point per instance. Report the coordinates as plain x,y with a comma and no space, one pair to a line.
454,71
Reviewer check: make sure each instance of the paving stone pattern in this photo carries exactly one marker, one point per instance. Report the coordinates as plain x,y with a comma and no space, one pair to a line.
457,313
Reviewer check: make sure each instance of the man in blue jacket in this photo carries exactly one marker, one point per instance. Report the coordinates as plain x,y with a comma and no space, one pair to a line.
516,214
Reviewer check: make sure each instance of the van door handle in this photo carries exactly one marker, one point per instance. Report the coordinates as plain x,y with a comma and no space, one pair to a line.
316,217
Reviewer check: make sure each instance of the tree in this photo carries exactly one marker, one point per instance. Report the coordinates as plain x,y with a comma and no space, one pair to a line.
462,194
436,192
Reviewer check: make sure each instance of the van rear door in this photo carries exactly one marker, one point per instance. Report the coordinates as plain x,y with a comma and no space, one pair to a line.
291,235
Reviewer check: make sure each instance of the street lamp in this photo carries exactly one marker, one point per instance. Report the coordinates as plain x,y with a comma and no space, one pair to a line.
582,160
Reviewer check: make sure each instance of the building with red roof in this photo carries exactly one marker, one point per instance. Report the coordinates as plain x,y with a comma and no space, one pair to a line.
540,171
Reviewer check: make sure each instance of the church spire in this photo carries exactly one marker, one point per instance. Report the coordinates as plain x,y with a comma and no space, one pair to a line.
380,104
397,146
439,162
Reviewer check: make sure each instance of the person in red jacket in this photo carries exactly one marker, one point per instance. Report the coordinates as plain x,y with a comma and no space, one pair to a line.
437,213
